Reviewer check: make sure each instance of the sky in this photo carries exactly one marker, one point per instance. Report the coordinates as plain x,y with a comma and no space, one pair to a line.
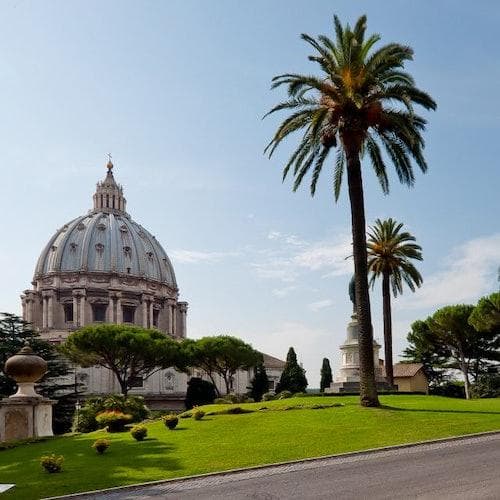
176,91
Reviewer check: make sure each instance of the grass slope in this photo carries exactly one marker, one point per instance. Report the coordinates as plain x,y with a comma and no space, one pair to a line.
224,442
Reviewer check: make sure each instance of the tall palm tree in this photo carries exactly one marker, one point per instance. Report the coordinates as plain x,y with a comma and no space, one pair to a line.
361,103
390,252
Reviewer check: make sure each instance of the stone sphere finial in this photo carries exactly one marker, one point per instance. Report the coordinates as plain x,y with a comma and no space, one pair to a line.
25,368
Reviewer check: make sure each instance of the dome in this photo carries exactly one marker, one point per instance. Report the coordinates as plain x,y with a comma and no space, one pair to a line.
106,240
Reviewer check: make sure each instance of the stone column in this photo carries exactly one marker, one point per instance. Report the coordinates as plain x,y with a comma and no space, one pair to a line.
183,311
82,309
170,321
174,321
76,321
151,309
144,312
29,310
23,303
44,312
110,311
50,311
119,312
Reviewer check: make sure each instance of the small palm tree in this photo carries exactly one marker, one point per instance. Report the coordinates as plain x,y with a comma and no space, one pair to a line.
390,252
361,104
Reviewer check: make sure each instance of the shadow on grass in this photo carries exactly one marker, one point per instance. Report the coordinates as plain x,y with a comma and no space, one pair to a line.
427,410
125,462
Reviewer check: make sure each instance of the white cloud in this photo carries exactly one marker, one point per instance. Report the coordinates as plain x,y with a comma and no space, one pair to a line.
284,291
468,273
193,256
290,257
320,304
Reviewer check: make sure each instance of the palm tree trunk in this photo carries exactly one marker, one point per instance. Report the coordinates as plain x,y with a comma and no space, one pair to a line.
386,300
367,386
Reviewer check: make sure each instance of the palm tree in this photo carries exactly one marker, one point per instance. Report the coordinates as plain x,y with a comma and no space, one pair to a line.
389,255
361,103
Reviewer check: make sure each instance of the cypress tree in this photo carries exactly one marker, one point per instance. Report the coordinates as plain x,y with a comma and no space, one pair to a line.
260,383
326,375
293,378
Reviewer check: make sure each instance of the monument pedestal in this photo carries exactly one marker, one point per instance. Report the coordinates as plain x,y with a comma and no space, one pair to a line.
25,417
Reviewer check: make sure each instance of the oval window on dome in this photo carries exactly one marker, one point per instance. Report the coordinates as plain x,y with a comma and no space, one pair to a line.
81,226
149,255
124,228
127,251
72,246
99,247
101,226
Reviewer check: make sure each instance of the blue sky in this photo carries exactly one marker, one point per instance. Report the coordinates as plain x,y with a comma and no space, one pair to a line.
176,91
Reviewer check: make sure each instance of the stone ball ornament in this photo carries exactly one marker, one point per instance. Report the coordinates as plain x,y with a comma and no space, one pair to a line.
25,368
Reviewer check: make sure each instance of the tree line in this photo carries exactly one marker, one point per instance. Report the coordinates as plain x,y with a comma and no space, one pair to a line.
459,337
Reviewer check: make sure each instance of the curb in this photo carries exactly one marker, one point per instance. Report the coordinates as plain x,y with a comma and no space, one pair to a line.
183,479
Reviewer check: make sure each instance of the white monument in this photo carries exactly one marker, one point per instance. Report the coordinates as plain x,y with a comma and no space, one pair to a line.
347,379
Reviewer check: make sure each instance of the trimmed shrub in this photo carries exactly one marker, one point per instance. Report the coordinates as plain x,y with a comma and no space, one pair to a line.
139,432
284,395
115,421
170,421
235,410
221,401
52,463
101,445
85,420
198,414
268,396
199,392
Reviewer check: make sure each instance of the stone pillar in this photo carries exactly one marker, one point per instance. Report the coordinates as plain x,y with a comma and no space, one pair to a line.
183,312
110,311
50,311
119,312
144,312
76,317
151,309
82,309
44,312
23,303
174,321
170,320
29,310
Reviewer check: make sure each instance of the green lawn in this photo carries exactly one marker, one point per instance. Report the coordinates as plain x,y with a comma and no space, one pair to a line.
224,442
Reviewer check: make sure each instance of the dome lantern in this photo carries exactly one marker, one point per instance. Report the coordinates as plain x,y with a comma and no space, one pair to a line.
109,195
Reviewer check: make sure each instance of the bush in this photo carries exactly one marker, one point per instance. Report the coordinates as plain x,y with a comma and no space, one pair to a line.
139,432
115,421
170,421
85,421
235,410
101,445
284,395
198,414
268,396
52,463
487,386
199,392
449,390
221,401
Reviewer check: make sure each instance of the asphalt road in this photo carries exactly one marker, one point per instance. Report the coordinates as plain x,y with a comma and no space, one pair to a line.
464,469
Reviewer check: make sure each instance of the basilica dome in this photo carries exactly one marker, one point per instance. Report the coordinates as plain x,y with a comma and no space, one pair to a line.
106,242
104,267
